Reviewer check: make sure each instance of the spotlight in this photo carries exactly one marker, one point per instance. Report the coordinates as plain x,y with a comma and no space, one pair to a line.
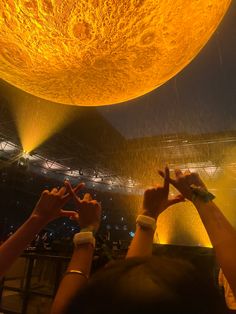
23,161
25,154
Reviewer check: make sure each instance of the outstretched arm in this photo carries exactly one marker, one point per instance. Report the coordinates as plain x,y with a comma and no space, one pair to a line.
78,271
220,231
155,201
223,238
72,283
47,209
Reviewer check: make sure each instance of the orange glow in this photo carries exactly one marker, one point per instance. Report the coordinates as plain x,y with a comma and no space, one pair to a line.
179,225
95,52
182,225
37,120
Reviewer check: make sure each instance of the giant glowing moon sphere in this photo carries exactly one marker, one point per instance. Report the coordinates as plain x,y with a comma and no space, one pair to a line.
99,52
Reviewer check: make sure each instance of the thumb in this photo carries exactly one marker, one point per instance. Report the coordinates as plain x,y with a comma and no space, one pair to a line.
75,218
87,197
177,199
69,213
78,187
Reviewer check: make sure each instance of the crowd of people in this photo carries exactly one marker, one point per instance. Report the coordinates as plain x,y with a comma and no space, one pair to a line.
141,282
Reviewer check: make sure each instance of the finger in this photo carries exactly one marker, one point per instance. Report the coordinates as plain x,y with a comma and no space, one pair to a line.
54,190
68,213
162,174
75,218
180,197
45,192
79,187
177,199
70,189
67,184
167,180
94,202
178,173
87,197
62,191
70,194
187,172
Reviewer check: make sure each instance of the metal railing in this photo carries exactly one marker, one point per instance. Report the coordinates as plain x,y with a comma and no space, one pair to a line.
38,276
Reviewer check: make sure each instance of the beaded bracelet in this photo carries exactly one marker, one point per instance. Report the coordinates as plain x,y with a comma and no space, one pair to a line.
199,192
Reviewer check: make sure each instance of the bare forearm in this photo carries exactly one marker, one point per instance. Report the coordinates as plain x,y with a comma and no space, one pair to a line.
223,238
12,248
71,284
141,244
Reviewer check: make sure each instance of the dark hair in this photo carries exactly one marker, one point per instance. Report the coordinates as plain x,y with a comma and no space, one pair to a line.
141,285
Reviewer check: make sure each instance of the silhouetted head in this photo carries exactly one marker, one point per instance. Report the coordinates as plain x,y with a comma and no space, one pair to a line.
143,285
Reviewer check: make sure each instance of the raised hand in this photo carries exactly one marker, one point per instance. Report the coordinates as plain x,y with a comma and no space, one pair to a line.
88,210
156,199
184,182
49,206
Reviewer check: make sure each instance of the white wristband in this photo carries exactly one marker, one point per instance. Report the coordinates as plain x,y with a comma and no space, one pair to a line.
83,238
146,222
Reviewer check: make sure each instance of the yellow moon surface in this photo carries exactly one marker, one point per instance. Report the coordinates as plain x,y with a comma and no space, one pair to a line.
100,52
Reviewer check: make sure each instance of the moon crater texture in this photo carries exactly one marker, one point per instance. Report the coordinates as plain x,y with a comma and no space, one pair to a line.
100,52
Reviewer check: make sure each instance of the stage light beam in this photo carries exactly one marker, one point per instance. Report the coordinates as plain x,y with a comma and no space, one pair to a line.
37,119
